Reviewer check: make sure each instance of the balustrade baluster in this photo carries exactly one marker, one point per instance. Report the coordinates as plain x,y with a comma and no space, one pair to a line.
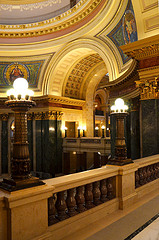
110,188
88,196
144,175
80,200
141,176
103,189
51,211
148,174
156,170
71,202
96,193
151,170
61,206
137,179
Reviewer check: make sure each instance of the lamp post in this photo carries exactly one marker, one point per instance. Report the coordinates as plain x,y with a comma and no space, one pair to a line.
84,129
120,112
96,131
103,127
79,131
65,128
19,100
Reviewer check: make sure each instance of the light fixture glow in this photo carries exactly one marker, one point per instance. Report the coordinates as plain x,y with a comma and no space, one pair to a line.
119,106
102,127
20,90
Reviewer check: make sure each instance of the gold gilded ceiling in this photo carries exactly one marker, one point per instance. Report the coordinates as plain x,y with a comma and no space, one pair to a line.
78,75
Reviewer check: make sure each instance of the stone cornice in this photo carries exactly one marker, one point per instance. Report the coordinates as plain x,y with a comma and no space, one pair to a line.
61,22
142,49
60,100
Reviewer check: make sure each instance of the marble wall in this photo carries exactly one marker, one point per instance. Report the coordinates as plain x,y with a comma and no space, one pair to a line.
135,134
150,127
48,146
4,147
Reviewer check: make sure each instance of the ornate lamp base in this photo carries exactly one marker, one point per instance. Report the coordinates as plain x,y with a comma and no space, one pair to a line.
119,162
11,185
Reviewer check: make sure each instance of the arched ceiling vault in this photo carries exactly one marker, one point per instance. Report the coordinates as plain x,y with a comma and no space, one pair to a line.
76,79
71,56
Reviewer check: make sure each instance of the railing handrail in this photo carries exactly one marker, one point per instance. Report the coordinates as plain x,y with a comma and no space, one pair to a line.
82,178
143,162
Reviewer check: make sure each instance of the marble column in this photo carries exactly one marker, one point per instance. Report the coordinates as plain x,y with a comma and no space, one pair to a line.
4,143
135,134
150,127
48,142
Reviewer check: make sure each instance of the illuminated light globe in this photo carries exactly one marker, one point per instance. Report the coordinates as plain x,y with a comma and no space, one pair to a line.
20,90
20,83
119,106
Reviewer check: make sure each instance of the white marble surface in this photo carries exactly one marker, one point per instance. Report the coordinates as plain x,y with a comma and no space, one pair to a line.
149,233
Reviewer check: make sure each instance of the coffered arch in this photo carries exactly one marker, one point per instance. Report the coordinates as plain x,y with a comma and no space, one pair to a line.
70,55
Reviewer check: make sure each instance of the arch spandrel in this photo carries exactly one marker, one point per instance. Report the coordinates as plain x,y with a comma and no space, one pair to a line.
68,56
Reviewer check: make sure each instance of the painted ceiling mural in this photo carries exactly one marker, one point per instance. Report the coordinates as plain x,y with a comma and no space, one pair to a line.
30,70
125,31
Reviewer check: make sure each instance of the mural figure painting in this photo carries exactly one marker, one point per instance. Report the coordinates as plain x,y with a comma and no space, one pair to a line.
16,73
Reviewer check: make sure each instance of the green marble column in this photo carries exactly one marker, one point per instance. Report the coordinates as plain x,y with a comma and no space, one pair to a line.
49,143
112,133
135,134
30,140
150,127
58,163
4,144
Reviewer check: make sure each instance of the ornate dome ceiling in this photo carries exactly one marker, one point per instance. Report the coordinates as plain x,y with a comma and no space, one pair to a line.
29,11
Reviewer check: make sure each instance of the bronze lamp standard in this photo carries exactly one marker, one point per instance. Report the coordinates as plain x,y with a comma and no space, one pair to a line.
120,112
19,100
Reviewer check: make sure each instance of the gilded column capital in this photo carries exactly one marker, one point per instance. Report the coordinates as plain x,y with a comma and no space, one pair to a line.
49,115
38,116
30,116
59,115
4,116
149,89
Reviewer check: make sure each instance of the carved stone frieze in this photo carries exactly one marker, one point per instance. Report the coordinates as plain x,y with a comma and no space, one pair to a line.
149,89
4,116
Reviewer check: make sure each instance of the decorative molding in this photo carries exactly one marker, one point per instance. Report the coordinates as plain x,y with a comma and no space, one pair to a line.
48,115
142,49
38,115
151,23
4,116
30,7
61,100
74,81
148,5
43,27
148,89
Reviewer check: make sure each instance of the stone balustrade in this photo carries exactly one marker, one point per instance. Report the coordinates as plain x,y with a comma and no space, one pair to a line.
69,203
86,144
147,171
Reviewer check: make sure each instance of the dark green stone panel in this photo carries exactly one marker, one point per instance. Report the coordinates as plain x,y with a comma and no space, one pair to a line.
4,146
150,127
49,146
113,133
135,134
39,147
127,135
30,141
58,164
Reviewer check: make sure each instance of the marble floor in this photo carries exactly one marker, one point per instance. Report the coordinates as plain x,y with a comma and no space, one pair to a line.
139,222
151,232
